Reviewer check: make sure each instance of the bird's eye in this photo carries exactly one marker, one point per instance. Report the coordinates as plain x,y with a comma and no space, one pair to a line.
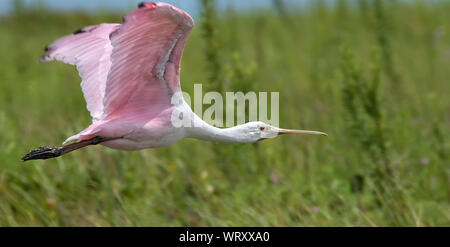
262,128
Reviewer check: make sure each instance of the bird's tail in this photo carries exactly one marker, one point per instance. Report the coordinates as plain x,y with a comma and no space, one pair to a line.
88,133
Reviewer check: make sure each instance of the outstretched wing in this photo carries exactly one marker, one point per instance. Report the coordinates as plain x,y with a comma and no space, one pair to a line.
147,50
90,50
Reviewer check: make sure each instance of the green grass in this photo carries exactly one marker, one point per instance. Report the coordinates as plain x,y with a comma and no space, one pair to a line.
287,181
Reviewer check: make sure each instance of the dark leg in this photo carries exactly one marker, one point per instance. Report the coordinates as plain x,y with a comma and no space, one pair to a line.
53,152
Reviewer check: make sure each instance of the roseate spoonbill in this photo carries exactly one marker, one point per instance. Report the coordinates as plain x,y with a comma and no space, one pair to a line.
130,72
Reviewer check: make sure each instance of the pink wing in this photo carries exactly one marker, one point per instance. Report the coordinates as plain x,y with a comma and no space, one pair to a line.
90,50
147,50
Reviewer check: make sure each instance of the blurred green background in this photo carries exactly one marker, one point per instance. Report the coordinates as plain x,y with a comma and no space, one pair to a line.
373,74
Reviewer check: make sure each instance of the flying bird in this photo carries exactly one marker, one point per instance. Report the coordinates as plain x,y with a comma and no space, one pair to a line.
130,74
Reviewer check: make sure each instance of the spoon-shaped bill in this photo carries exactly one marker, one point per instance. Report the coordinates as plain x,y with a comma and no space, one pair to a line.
311,132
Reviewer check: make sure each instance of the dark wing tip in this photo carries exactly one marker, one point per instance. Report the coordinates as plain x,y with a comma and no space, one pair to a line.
47,48
150,5
79,31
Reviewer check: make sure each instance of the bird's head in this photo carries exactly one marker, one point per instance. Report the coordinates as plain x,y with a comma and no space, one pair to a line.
258,131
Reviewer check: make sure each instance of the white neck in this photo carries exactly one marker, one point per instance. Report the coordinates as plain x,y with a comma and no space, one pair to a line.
203,131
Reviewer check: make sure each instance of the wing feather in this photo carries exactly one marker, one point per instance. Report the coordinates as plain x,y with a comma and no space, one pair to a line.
89,49
145,59
128,69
